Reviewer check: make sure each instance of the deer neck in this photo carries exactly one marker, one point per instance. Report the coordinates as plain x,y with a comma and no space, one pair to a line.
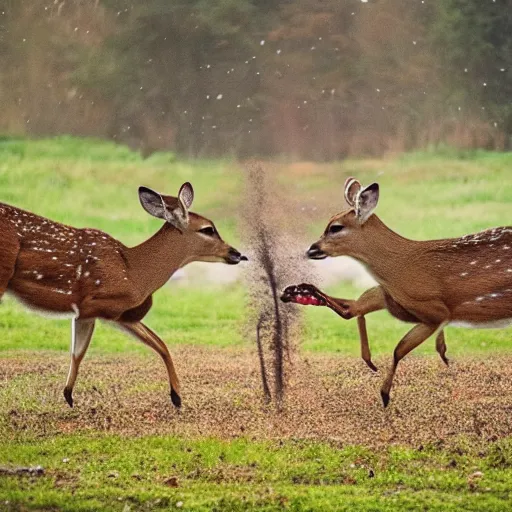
382,251
153,262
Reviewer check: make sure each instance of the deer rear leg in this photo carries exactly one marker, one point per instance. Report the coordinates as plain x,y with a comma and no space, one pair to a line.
416,336
441,347
149,338
81,334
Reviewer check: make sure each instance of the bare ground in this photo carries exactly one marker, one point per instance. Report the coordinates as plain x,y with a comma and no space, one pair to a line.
329,398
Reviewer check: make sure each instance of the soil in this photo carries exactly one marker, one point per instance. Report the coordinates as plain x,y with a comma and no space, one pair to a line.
328,397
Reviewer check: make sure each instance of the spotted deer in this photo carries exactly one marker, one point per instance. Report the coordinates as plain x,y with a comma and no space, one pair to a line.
90,275
465,282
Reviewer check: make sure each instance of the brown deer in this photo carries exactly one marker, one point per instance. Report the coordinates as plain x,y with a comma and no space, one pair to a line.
58,269
466,282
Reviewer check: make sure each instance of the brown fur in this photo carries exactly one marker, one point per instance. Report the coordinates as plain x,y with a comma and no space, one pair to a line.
89,274
432,283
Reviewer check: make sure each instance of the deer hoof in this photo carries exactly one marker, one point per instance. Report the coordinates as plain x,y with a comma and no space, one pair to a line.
175,399
371,366
68,395
385,398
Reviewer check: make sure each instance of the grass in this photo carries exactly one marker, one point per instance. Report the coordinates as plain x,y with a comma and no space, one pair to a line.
155,473
93,183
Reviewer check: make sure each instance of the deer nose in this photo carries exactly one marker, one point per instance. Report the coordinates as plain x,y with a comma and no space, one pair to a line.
235,257
315,253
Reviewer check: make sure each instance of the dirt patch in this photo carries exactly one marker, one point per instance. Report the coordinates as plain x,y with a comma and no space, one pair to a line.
329,398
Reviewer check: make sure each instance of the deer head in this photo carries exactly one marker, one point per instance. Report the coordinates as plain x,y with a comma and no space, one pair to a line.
198,234
347,231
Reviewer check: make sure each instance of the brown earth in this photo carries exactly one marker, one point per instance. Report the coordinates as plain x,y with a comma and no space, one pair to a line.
329,398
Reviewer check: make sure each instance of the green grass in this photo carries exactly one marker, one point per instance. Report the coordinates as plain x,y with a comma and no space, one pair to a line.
94,184
112,473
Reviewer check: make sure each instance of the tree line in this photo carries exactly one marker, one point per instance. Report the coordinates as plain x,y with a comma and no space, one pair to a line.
316,79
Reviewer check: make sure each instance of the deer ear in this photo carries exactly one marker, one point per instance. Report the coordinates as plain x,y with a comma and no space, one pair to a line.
366,202
152,202
178,217
186,196
352,187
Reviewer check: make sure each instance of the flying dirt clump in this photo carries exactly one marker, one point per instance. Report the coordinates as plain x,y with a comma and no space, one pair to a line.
277,261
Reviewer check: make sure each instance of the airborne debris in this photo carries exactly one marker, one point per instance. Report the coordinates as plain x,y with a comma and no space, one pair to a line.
277,263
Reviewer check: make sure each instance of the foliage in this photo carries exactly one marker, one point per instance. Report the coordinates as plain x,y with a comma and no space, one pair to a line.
477,49
308,79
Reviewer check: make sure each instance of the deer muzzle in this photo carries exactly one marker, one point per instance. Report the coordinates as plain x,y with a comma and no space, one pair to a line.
315,253
234,257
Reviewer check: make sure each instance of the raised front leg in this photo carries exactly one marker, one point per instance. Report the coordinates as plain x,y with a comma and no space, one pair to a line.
371,300
149,338
81,334
416,336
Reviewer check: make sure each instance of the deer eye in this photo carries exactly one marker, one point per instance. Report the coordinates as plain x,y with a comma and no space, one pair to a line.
208,231
335,228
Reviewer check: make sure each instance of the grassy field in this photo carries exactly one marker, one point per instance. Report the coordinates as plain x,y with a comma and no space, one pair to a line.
94,184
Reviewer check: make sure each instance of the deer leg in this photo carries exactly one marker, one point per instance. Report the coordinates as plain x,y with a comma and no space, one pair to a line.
149,338
441,347
371,300
81,334
365,346
416,336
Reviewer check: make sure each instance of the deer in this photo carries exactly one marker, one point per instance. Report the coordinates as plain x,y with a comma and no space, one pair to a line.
87,274
462,282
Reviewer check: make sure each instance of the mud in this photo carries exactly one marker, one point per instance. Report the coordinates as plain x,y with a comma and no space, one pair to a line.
328,398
